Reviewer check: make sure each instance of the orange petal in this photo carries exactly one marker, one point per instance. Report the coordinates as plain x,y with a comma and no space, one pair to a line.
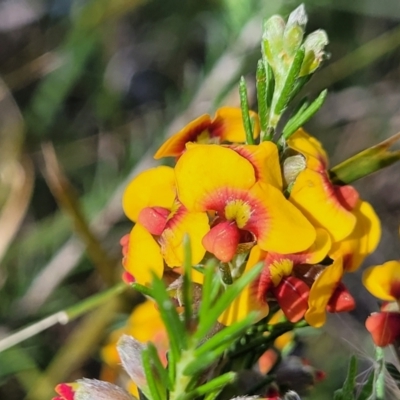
193,224
247,300
313,194
321,292
384,327
204,169
362,241
230,122
383,281
265,160
152,188
144,256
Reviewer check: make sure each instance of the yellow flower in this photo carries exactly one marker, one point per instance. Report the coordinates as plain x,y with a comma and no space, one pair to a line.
161,225
383,281
218,179
227,126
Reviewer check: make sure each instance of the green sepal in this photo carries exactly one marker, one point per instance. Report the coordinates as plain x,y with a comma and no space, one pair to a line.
366,162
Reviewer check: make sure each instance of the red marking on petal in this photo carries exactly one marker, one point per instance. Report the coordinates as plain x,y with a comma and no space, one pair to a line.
347,196
124,242
341,300
384,327
65,391
263,284
154,219
222,240
395,289
292,296
128,278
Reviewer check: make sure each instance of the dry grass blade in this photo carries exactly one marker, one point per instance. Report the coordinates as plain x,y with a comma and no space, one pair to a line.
68,201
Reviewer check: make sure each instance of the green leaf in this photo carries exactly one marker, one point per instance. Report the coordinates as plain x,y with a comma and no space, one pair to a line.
212,386
211,288
366,162
225,300
347,392
151,378
212,349
187,282
368,388
261,83
303,115
177,335
162,372
286,93
244,104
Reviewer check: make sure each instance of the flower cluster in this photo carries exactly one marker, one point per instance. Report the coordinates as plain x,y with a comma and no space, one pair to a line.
244,204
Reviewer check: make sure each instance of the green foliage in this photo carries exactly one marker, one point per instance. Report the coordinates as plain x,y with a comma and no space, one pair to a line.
191,355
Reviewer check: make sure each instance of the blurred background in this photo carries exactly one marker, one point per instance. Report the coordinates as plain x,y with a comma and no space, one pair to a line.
89,89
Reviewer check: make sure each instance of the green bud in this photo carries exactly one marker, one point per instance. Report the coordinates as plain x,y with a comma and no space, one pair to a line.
314,45
292,39
272,42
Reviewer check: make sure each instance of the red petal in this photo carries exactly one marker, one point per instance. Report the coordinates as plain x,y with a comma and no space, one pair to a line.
341,300
154,219
292,296
65,391
384,327
124,242
128,278
347,196
222,240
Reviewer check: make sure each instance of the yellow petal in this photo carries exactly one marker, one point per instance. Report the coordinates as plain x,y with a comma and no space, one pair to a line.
203,169
145,322
144,256
193,224
230,121
362,241
321,291
320,248
247,301
151,188
308,145
282,228
265,160
383,281
321,207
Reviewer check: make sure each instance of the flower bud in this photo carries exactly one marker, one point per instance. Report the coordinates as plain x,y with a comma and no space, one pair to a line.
130,351
272,42
294,31
314,46
292,166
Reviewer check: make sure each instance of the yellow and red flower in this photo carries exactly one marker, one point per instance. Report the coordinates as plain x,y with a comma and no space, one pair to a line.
222,181
383,281
161,225
226,126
